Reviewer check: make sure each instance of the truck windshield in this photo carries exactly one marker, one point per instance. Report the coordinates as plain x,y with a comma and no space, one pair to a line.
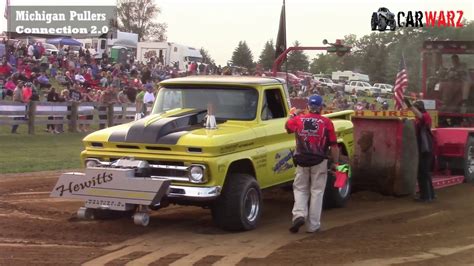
229,103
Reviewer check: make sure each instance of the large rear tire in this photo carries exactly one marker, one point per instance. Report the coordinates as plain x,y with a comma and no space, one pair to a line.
374,22
239,206
469,159
382,24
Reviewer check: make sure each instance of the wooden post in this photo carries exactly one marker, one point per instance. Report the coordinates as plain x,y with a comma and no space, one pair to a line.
31,117
110,115
73,117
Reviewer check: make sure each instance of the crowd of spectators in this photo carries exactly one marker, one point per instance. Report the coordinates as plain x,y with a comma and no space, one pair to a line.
28,72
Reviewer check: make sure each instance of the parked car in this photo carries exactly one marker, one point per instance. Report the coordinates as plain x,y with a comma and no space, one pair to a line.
293,80
50,49
361,88
329,83
385,88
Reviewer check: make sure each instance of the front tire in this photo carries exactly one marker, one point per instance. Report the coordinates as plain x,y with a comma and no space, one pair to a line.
336,197
469,160
239,206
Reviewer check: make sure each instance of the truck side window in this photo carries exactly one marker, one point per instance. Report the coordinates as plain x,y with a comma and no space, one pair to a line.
273,105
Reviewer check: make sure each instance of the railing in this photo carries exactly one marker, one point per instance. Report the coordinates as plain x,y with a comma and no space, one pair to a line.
72,114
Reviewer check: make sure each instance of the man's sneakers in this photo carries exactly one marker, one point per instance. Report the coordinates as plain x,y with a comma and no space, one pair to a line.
297,223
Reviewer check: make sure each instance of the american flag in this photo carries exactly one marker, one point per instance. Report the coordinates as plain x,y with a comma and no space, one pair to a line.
400,84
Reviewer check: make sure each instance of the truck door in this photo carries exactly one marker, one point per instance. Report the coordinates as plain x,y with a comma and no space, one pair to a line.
279,143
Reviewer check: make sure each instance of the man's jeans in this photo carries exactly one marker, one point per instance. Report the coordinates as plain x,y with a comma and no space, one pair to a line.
309,185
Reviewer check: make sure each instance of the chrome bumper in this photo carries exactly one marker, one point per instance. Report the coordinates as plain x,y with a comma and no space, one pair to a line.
195,193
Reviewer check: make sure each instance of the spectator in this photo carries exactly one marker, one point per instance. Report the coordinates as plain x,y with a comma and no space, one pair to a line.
122,97
9,87
75,94
424,137
107,97
5,68
52,96
149,96
43,81
79,78
31,50
27,92
17,97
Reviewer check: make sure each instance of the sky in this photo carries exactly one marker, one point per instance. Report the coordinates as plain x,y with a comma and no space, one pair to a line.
219,25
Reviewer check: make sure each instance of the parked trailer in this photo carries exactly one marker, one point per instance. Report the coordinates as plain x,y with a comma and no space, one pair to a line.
168,53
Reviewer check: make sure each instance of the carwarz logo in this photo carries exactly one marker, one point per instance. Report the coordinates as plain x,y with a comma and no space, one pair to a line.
383,18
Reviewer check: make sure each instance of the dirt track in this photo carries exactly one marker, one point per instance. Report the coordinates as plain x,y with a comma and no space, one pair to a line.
372,230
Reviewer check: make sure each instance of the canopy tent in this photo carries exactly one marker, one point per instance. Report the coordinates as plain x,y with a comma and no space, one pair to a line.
64,41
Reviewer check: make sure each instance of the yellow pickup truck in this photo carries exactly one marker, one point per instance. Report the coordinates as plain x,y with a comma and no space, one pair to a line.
222,165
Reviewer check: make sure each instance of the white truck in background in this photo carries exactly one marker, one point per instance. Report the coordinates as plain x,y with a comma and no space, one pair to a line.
104,43
170,54
349,76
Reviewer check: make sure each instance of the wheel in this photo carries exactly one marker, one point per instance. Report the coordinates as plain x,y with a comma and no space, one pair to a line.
392,25
240,205
141,218
336,197
374,21
85,213
469,160
382,24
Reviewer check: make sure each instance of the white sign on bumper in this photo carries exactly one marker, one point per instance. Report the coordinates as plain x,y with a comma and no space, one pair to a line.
111,188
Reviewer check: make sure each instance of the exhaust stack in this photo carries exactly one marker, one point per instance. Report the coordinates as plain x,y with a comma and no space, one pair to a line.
211,119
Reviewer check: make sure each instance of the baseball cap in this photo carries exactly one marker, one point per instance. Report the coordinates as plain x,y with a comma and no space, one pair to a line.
148,86
315,100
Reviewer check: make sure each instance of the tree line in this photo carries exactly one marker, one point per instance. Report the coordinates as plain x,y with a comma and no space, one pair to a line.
377,54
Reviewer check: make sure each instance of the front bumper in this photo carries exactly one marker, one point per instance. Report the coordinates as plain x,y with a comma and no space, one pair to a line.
194,193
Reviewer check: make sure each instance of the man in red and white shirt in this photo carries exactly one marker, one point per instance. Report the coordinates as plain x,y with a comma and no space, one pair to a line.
314,135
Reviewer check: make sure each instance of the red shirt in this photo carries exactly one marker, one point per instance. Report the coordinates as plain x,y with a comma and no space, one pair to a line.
4,70
27,92
425,120
314,133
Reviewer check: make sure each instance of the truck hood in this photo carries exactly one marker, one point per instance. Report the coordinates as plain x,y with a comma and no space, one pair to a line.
183,128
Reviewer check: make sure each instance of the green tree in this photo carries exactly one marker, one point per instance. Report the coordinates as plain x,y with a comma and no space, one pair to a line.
242,56
206,58
267,57
137,16
324,64
297,60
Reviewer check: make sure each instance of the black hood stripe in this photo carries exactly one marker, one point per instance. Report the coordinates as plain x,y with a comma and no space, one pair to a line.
166,130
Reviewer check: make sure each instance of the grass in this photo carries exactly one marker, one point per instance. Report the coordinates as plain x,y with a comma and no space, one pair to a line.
43,151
